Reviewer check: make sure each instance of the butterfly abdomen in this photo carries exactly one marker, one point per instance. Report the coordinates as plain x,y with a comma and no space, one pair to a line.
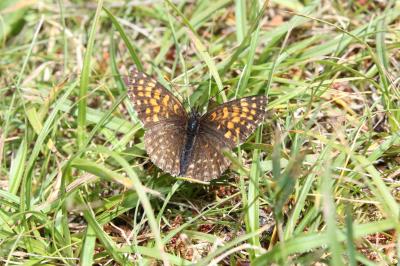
192,129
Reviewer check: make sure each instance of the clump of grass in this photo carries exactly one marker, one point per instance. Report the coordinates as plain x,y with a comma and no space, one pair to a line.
317,183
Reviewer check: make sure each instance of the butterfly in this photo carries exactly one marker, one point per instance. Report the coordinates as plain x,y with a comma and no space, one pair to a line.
188,144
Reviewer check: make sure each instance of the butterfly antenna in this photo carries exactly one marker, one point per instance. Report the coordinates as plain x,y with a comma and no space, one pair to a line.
218,92
183,99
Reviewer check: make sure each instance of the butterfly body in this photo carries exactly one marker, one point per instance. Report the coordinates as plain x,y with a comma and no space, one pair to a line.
190,144
192,130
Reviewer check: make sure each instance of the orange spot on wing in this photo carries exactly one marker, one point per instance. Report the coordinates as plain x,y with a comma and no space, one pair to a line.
225,112
236,119
153,102
237,131
155,118
213,115
244,103
156,109
176,107
165,100
228,134
235,109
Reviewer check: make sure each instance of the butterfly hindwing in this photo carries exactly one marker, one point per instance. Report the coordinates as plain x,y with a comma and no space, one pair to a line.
233,122
163,143
152,102
207,160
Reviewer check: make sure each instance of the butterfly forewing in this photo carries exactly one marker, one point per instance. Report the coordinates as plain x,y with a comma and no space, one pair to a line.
233,122
163,117
152,102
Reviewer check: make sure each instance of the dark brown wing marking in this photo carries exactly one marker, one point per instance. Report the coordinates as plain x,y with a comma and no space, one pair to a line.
236,120
152,102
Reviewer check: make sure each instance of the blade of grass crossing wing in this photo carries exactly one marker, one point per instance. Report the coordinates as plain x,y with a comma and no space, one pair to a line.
253,189
117,76
101,171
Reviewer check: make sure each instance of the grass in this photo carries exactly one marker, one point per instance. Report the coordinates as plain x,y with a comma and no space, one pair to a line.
317,183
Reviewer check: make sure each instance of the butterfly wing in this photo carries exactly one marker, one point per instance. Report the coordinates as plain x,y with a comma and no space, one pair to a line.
163,117
224,127
207,161
233,122
164,143
152,102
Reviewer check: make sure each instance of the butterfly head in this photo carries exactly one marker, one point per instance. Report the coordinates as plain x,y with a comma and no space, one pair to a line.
193,121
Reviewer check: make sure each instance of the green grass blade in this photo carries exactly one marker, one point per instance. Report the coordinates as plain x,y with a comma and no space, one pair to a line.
84,81
125,38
